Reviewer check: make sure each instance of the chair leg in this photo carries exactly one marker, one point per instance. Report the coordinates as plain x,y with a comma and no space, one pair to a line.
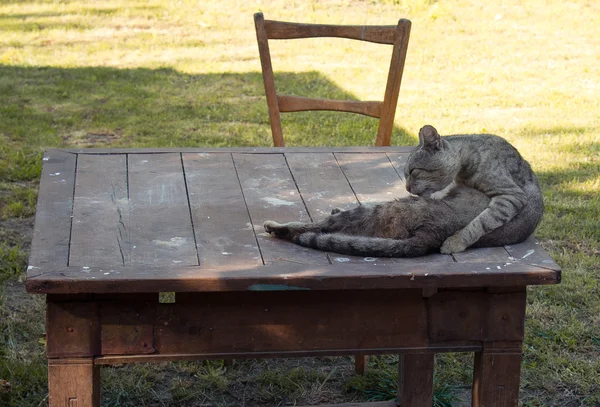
360,364
496,377
415,379
73,383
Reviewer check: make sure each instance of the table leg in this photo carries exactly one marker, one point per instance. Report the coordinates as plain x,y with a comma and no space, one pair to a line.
496,377
360,364
415,379
73,382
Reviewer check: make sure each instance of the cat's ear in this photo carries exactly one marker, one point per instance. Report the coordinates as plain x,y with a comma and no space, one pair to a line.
430,139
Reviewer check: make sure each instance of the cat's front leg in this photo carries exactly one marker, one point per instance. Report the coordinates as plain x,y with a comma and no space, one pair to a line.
454,244
442,193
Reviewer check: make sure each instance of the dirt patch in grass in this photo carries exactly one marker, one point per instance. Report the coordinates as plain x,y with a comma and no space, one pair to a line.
17,232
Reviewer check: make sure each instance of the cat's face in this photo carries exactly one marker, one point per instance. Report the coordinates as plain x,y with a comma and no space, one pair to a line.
432,166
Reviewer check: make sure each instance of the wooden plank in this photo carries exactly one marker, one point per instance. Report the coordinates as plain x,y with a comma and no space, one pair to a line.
248,150
415,379
268,79
117,360
390,403
496,377
161,226
73,383
222,225
372,176
484,255
392,88
292,321
398,161
52,230
127,327
324,187
456,315
300,104
100,232
480,315
290,276
321,182
281,30
531,252
270,193
73,329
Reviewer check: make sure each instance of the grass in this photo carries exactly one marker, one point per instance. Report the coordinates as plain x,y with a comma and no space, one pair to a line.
186,73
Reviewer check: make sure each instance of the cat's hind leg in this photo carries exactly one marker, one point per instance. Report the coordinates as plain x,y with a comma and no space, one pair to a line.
290,230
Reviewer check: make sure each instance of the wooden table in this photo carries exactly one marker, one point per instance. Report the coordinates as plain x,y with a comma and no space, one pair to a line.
114,228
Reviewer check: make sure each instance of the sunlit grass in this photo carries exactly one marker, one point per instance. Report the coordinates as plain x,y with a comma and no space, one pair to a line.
166,73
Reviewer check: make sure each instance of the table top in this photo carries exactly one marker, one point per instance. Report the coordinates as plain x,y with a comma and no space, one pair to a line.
159,220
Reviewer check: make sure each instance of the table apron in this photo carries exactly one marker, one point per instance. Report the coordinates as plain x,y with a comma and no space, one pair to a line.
269,324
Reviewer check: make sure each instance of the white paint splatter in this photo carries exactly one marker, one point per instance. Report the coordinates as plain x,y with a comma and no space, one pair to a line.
499,268
277,201
225,254
342,259
45,159
54,174
32,267
106,274
144,161
529,253
370,259
177,261
173,242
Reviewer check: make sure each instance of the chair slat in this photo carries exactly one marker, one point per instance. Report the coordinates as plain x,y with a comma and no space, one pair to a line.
280,30
299,104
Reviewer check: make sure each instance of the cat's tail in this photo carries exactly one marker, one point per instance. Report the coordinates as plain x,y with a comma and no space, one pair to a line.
363,246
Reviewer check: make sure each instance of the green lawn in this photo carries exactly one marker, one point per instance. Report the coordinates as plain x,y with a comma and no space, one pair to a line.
186,73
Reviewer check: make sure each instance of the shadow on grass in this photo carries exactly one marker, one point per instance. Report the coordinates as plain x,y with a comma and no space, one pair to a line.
165,107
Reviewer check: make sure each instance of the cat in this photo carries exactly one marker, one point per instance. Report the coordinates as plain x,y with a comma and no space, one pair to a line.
489,164
406,227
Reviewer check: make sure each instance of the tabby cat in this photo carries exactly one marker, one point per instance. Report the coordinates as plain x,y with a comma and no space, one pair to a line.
468,190
489,164
406,227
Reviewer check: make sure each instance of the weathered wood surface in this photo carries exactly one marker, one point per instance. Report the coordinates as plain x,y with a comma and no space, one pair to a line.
161,231
496,375
300,104
52,231
100,231
390,403
415,379
222,224
281,30
73,383
192,221
280,323
341,276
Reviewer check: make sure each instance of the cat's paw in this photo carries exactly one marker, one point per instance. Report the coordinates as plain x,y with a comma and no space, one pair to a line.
271,226
278,230
438,195
454,244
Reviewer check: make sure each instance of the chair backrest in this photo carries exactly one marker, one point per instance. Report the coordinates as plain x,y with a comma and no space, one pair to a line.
395,35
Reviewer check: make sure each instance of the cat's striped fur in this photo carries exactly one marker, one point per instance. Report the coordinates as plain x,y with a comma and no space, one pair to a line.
489,164
406,227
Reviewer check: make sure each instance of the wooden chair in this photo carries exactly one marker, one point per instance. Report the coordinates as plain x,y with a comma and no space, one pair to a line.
397,36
